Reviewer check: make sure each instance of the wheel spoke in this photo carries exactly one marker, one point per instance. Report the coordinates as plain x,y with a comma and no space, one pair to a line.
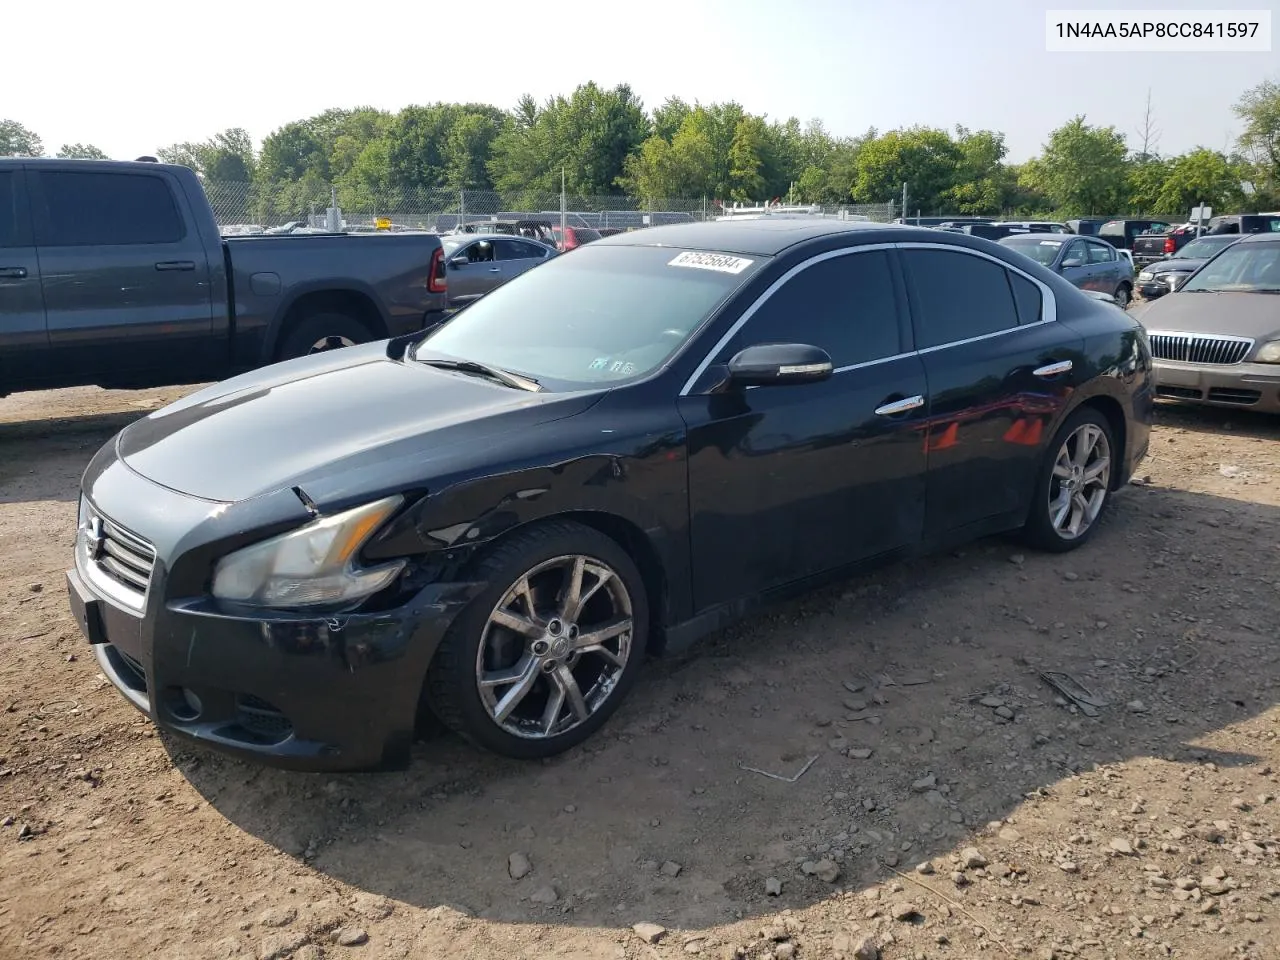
602,634
1085,441
573,590
500,678
1095,470
1059,509
1062,468
522,591
1079,514
555,705
517,693
514,621
572,692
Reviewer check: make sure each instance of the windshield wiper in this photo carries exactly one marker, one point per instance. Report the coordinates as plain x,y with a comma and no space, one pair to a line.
504,377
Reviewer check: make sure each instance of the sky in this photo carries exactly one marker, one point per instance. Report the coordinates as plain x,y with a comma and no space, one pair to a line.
134,75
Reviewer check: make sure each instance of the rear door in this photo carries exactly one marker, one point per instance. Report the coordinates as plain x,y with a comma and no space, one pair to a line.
1106,268
24,339
516,256
999,368
125,279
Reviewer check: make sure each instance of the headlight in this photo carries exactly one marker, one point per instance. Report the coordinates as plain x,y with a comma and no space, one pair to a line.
1171,280
1270,353
315,565
1145,275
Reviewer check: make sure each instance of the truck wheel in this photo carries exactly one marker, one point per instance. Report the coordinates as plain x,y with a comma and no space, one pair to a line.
323,331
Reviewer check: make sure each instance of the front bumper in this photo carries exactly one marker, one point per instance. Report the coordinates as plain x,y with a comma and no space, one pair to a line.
1248,386
300,692
1151,289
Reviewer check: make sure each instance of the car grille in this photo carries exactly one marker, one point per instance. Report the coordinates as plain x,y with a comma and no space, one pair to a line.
1199,348
115,557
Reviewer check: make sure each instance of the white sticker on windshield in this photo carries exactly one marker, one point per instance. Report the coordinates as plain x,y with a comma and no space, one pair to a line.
1050,243
711,261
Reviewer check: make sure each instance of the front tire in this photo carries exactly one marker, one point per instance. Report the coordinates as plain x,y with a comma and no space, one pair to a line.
1123,296
1074,486
547,651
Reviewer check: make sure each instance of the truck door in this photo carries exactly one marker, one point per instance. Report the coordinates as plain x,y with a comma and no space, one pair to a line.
24,339
124,274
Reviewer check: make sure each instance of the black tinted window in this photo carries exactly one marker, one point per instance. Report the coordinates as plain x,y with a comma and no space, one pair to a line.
11,232
845,305
107,208
517,250
1027,296
958,296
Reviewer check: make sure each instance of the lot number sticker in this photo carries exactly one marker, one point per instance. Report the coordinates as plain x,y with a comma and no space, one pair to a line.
711,261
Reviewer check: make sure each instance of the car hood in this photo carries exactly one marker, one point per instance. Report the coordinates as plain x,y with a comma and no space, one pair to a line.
1255,315
318,418
1174,265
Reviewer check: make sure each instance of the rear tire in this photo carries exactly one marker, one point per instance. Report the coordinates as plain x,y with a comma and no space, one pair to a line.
1123,296
1074,487
527,671
320,332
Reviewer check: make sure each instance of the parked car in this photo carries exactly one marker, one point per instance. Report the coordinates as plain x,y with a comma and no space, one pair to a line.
1122,233
1245,223
570,238
479,263
1037,226
1087,226
939,221
607,457
1216,339
115,274
1084,262
1163,276
989,231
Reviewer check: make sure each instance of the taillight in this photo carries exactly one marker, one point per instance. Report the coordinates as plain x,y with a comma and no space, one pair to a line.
1168,245
436,278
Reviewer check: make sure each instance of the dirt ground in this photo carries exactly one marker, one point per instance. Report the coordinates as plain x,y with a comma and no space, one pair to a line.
956,807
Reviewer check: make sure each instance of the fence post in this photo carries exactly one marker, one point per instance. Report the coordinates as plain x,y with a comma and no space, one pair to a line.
462,208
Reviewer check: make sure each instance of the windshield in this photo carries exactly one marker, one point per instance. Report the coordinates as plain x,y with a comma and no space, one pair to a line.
1039,250
1203,248
606,315
1241,268
450,245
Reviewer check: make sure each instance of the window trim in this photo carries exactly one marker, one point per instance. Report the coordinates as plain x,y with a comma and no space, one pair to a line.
1048,305
1109,249
26,231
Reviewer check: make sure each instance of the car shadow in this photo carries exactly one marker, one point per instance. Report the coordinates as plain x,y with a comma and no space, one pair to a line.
658,817
1219,421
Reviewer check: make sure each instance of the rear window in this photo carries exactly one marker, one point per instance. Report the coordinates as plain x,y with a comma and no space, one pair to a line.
585,234
90,208
1038,249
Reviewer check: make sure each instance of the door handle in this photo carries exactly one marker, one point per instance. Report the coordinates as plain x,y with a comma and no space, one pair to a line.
495,269
176,265
900,406
1053,369
16,273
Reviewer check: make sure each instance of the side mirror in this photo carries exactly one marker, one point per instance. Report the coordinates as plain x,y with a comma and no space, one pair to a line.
776,364
457,262
1072,262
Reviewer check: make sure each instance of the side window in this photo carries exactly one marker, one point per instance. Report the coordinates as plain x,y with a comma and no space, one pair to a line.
1074,251
81,209
516,250
1027,296
1099,253
846,305
958,296
12,230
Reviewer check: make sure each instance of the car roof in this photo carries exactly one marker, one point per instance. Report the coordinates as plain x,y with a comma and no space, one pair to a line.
89,164
768,236
470,237
1258,237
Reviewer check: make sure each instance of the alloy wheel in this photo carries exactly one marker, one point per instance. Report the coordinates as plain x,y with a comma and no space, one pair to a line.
554,647
1080,481
331,343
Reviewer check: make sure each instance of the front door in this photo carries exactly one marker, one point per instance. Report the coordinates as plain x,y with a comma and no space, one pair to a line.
790,481
125,277
517,256
473,272
999,375
24,338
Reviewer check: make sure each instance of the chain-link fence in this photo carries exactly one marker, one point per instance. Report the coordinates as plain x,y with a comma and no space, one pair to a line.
257,207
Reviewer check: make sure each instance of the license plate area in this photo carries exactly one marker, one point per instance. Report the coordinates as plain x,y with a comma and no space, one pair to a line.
86,609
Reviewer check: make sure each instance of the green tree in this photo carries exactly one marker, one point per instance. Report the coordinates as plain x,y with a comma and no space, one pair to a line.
293,153
668,117
1259,109
747,160
1201,175
982,184
1146,179
442,146
927,160
80,151
1082,169
17,141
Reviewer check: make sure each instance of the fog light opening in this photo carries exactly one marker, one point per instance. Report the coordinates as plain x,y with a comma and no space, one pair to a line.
184,704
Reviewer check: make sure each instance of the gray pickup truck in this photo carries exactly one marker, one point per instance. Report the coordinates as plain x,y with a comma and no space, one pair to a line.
115,274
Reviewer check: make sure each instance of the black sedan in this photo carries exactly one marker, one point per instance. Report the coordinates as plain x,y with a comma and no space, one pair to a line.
1165,276
609,456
